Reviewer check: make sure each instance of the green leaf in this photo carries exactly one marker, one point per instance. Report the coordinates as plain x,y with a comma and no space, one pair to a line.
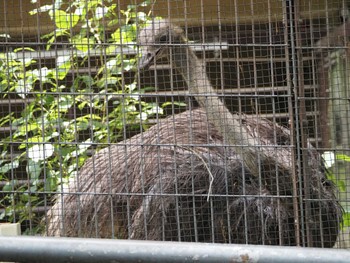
23,88
125,35
50,181
58,4
64,20
33,169
146,3
54,35
82,148
9,185
346,219
113,23
154,109
83,124
31,140
100,12
25,129
63,70
49,100
21,49
83,44
341,185
112,63
128,64
107,81
93,3
41,9
6,119
177,103
9,166
65,103
343,157
25,197
40,152
61,60
141,16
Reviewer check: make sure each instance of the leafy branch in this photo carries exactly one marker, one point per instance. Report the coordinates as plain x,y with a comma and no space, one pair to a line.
332,162
68,111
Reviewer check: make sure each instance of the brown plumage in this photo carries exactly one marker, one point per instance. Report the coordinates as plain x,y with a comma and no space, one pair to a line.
188,178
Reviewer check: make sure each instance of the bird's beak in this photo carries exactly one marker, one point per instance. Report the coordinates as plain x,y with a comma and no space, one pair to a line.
147,58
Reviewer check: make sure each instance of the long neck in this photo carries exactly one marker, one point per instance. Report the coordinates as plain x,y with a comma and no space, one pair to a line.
229,126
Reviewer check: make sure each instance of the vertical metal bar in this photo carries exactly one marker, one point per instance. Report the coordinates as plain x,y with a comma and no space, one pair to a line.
257,111
172,82
304,179
323,84
95,219
45,197
203,36
290,65
316,115
126,160
21,22
222,85
272,66
191,139
238,69
12,173
112,208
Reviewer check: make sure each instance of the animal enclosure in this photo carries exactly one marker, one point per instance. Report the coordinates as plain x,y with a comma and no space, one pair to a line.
202,121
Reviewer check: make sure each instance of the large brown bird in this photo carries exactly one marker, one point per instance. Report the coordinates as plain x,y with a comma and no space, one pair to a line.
204,175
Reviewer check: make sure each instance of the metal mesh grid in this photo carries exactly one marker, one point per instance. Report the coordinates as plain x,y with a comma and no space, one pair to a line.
97,147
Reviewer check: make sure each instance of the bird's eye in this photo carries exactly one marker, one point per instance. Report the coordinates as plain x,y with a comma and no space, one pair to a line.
163,39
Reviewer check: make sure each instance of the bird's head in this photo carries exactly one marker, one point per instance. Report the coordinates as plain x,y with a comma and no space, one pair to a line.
156,40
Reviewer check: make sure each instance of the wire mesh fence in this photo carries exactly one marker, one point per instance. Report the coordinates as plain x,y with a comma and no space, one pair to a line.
202,121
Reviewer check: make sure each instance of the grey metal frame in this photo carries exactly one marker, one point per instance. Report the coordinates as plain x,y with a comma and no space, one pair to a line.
39,249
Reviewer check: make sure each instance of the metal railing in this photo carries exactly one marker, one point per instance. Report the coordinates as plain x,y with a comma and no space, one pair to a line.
39,249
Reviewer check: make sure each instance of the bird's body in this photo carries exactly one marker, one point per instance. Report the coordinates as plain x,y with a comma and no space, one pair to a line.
203,175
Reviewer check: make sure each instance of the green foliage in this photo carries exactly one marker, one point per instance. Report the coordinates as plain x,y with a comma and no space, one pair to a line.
333,164
49,134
